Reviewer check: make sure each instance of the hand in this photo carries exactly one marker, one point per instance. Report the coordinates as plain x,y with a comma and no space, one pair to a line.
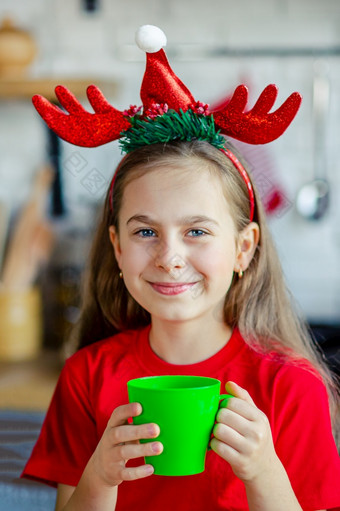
120,443
242,436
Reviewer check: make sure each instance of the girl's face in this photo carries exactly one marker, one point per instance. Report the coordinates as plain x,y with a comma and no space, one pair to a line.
177,245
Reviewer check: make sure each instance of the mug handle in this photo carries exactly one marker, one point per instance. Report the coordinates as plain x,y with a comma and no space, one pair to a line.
224,398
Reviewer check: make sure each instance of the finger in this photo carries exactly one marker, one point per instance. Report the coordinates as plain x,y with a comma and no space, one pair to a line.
227,452
130,433
133,473
229,436
234,421
121,414
237,391
240,407
131,451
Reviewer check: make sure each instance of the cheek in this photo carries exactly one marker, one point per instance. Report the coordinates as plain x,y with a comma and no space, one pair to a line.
135,257
217,259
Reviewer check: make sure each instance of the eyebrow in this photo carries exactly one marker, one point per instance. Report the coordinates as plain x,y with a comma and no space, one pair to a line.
196,219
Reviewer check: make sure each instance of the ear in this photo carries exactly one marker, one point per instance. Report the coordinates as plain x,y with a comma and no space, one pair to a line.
114,238
248,240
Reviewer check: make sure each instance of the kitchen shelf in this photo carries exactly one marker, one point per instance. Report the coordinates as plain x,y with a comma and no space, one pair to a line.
25,88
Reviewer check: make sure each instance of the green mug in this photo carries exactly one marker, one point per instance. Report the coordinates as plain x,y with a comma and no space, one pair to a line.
184,407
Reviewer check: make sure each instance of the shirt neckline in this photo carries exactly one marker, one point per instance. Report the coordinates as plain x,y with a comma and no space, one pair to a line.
153,364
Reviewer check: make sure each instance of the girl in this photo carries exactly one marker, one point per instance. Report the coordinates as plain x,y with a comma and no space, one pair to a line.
179,233
184,279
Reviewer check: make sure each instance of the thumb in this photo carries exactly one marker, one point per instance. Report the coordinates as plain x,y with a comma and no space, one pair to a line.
237,391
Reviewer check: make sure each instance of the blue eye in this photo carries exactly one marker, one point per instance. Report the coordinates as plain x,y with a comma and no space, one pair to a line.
196,232
146,233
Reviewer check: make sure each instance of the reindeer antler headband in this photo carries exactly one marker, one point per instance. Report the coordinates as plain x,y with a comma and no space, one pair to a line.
169,112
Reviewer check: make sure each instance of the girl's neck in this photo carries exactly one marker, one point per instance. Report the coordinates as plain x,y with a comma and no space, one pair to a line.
188,342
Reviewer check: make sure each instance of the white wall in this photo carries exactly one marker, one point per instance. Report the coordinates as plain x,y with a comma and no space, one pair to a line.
75,43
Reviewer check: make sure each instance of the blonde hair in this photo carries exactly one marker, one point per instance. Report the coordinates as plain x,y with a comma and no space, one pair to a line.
259,303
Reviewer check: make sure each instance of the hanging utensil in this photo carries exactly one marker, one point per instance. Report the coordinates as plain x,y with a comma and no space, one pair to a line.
4,223
313,198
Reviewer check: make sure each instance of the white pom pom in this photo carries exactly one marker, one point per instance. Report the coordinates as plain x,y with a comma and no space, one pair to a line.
150,38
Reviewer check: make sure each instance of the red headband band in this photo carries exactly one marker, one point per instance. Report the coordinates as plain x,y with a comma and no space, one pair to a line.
245,178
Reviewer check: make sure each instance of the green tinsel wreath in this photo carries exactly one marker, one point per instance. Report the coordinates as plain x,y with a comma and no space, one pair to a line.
171,125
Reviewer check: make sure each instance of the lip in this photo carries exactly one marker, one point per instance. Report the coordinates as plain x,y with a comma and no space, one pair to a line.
171,288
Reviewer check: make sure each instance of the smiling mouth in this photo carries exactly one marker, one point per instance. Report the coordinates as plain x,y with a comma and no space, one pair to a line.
171,288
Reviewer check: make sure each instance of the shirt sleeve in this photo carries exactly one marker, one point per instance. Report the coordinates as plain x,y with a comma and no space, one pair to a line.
304,441
68,436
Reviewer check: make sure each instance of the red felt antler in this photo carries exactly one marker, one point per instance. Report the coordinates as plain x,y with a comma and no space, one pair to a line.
257,126
78,126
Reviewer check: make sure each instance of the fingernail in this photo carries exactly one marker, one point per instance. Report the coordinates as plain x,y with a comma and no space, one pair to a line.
137,409
157,447
149,469
153,430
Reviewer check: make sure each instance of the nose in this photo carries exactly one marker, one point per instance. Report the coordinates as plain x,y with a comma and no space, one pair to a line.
169,260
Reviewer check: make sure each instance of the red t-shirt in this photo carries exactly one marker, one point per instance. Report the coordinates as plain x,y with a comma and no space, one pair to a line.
93,383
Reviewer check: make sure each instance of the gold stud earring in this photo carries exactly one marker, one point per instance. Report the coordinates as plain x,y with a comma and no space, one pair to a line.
240,274
120,274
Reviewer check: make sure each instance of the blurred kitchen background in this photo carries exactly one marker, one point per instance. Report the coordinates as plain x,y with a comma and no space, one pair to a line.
51,190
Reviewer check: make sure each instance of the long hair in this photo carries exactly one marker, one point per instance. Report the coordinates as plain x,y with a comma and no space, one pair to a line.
259,303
